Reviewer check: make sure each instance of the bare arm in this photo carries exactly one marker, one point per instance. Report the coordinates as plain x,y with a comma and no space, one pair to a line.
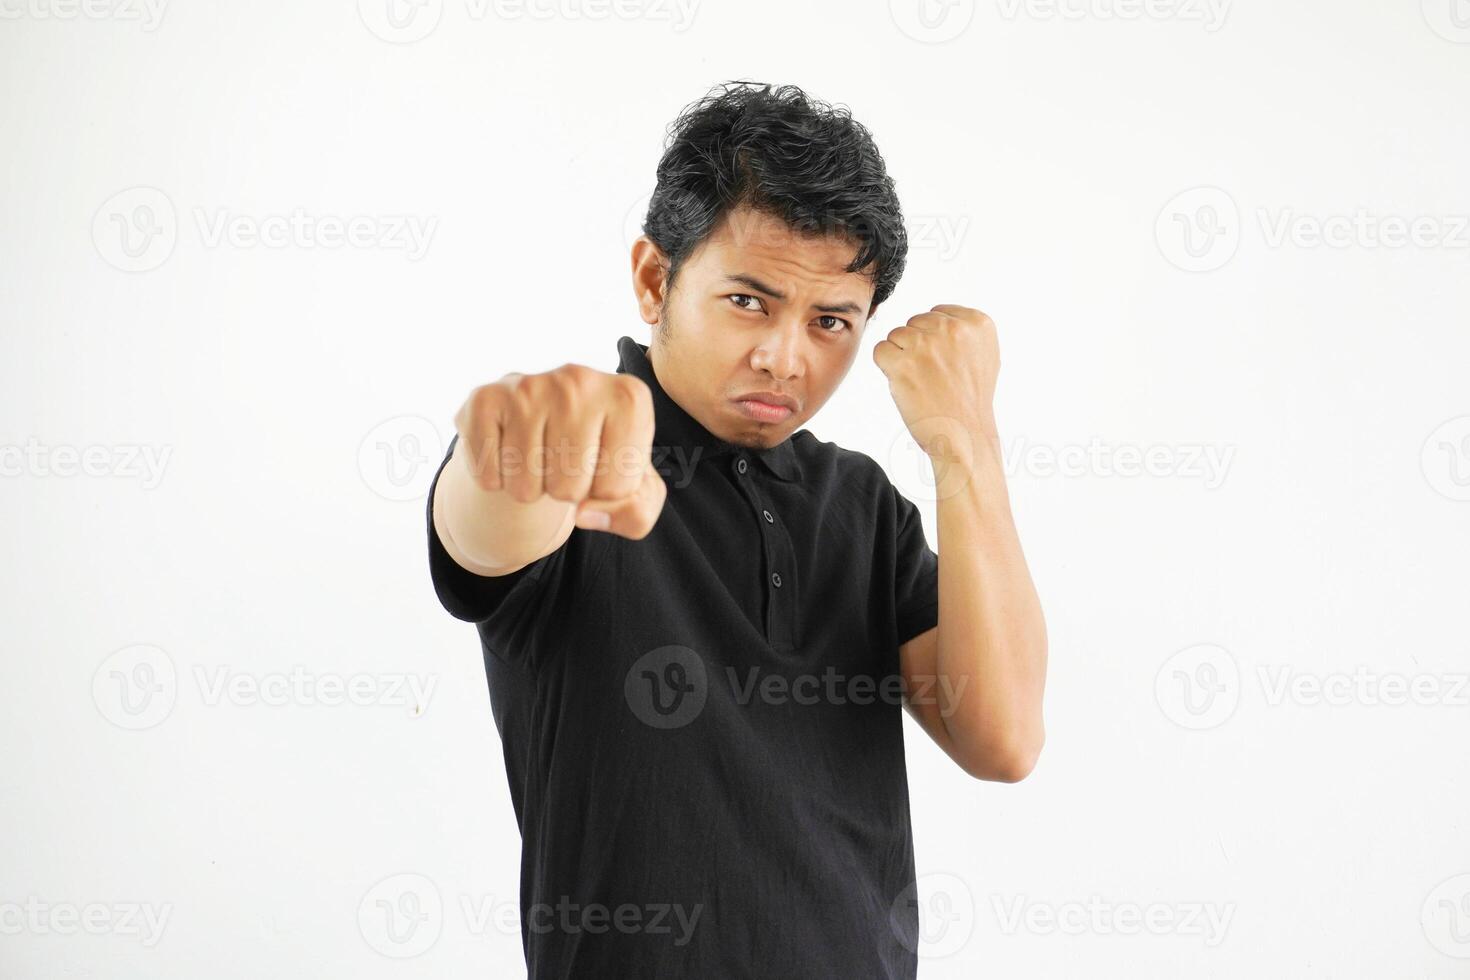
982,670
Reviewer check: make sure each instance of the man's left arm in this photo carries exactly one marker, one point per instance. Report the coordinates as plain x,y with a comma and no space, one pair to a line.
974,682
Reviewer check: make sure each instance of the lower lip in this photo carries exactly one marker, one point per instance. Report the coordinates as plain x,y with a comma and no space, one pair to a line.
763,412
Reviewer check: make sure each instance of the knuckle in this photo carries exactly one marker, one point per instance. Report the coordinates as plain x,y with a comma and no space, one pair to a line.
483,403
632,392
572,377
634,384
522,384
523,492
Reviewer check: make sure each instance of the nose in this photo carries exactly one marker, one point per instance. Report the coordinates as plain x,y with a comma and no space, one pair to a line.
779,351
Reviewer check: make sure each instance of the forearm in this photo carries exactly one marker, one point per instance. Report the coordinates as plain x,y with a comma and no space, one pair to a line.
992,634
489,531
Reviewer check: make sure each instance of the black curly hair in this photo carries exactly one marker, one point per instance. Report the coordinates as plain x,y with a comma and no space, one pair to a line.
779,151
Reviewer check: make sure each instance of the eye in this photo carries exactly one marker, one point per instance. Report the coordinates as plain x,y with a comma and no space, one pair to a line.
841,323
737,297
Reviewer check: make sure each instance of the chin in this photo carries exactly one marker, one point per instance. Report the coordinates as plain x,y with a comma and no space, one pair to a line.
767,436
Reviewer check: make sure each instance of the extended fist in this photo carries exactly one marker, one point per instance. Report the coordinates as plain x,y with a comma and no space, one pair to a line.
575,434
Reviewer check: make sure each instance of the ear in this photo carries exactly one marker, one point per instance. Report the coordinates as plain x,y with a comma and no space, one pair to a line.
650,275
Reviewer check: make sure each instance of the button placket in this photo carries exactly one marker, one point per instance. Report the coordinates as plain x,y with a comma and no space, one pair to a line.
779,561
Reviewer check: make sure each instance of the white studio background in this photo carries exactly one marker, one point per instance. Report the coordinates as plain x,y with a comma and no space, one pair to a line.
1226,246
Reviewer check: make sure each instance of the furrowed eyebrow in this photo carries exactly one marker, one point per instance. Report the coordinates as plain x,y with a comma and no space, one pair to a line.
751,282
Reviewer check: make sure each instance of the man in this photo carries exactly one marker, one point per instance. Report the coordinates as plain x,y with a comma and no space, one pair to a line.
699,623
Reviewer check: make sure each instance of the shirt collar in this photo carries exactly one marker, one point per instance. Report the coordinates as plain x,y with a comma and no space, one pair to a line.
677,430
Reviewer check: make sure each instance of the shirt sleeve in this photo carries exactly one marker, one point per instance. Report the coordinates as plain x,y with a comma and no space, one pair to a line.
503,606
916,572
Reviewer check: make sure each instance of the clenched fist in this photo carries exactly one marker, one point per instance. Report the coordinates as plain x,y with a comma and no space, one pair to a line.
941,368
575,434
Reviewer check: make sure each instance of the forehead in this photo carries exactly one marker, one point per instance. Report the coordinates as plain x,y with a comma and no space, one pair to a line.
757,239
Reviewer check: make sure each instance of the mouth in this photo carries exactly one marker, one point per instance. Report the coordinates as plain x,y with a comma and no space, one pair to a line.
766,406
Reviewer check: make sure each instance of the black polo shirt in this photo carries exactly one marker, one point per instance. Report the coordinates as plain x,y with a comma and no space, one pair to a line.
702,730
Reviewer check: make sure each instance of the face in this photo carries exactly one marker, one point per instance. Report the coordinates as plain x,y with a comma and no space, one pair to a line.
758,311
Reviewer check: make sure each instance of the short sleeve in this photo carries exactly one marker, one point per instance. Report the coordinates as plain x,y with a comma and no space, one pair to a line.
504,606
916,572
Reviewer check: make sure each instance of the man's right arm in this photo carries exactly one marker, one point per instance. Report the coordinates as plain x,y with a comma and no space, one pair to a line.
540,454
489,532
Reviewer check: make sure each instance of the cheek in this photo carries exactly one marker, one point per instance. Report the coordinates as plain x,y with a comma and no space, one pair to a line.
700,320
721,311
828,372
